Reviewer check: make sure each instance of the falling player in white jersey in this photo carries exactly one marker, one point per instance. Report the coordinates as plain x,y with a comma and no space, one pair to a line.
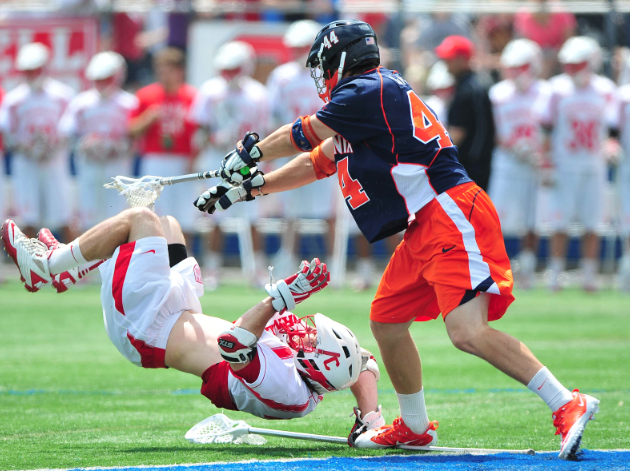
96,124
29,116
291,94
517,157
624,185
226,107
276,365
578,115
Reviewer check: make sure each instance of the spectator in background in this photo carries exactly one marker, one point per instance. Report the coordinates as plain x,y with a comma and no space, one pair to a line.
96,122
4,207
517,158
225,109
165,134
29,116
441,85
494,32
291,94
549,29
470,121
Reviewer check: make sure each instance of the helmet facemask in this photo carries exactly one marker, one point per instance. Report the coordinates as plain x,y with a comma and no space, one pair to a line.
324,84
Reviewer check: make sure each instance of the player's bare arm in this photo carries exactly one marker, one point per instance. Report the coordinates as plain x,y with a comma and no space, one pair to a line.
139,126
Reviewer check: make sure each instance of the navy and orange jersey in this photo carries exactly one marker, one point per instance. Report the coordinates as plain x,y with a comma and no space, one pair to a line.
393,155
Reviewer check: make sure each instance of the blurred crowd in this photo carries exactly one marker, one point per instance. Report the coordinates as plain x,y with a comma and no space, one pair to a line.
523,96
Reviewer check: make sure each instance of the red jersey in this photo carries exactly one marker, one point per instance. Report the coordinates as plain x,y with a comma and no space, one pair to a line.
172,133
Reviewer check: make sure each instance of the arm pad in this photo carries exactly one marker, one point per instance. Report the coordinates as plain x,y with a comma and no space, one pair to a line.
303,136
323,166
237,345
368,363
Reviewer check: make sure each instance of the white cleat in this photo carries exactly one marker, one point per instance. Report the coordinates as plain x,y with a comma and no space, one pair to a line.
29,255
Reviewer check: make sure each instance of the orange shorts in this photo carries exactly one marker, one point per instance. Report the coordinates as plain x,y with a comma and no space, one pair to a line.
452,251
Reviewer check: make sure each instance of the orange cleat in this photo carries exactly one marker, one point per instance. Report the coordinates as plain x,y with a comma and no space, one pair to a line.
389,436
570,421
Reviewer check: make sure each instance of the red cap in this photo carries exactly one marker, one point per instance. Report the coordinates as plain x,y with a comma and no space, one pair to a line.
454,46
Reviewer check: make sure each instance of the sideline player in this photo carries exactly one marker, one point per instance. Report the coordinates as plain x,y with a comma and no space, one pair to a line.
29,117
96,123
517,158
4,207
276,365
624,186
398,169
578,115
166,134
291,94
227,106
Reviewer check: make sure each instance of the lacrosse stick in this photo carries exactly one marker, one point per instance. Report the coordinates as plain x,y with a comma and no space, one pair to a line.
220,429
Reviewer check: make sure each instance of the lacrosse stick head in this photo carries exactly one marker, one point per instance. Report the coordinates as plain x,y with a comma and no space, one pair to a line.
140,192
221,429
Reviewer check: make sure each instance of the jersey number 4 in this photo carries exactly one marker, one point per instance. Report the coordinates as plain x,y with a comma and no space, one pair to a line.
351,189
426,126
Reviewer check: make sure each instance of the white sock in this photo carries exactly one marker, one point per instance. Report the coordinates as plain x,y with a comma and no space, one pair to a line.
213,261
260,261
366,269
413,411
65,258
527,260
549,389
557,264
589,269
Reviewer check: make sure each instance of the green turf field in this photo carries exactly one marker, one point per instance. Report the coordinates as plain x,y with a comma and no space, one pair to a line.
69,399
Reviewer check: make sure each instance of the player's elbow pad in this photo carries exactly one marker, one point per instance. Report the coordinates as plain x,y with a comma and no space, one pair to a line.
303,136
323,166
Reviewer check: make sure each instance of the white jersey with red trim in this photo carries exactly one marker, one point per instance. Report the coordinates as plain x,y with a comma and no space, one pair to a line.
229,112
279,392
292,93
624,167
105,118
580,118
516,122
26,112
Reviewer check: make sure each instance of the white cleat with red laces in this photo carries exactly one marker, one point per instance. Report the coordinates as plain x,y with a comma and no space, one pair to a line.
64,281
29,255
570,421
389,436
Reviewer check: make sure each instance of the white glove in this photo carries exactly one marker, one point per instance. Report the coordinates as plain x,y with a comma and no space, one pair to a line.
370,421
612,151
225,194
311,278
237,345
206,202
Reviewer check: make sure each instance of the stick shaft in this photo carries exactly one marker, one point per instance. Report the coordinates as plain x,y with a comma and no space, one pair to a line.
190,177
297,435
464,450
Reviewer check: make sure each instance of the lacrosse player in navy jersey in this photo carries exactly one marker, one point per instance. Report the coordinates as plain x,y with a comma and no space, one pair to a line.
398,169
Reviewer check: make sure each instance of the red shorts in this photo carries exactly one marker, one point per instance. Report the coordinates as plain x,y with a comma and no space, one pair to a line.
452,251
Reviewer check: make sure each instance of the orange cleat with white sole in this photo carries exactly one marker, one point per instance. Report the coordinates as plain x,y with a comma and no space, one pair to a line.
389,436
570,421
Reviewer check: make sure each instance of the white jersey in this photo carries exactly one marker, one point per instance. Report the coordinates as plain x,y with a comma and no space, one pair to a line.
25,112
624,167
439,107
516,121
230,112
275,390
105,119
292,93
580,118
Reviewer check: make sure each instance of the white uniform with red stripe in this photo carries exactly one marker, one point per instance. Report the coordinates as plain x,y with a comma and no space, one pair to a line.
40,187
229,112
292,93
142,298
514,182
580,118
89,115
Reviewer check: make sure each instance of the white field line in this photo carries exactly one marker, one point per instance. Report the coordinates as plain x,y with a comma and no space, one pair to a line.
282,460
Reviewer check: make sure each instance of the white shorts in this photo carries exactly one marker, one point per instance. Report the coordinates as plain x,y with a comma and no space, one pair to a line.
176,200
42,192
142,298
313,201
96,203
514,193
578,197
624,193
269,387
